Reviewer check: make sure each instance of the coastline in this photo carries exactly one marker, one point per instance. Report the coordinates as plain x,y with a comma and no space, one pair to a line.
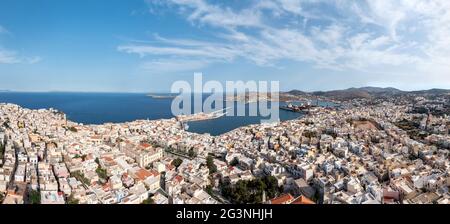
74,123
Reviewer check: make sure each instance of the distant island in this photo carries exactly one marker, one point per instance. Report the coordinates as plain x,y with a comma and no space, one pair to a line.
333,95
154,96
363,93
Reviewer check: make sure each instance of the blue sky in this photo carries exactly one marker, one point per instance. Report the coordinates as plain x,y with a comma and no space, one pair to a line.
146,45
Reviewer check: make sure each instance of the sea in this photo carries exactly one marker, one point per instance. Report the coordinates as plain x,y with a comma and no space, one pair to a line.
99,108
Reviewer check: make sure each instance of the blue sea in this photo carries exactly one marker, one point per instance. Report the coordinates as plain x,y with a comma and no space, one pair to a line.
99,108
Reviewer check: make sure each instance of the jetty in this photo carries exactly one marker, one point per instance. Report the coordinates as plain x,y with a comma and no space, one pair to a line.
202,116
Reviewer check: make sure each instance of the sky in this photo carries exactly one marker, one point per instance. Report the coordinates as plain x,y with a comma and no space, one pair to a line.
146,45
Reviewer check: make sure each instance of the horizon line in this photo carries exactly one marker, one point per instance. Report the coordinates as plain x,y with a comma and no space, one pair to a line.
168,92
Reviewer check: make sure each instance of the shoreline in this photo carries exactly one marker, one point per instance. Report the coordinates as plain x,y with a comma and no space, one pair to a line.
138,120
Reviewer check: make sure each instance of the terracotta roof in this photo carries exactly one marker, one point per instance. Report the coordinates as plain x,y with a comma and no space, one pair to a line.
178,178
154,173
143,174
302,200
145,145
109,159
107,186
283,199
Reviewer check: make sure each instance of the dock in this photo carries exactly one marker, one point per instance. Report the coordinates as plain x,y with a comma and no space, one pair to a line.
202,116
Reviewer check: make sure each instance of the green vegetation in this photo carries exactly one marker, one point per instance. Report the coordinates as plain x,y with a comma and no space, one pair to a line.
177,162
251,191
34,197
2,150
209,190
412,128
1,197
72,201
102,173
148,201
191,153
72,129
420,110
234,162
407,125
79,176
6,123
210,164
310,134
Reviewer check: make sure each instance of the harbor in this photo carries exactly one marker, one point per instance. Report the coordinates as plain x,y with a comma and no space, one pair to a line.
308,106
201,116
298,108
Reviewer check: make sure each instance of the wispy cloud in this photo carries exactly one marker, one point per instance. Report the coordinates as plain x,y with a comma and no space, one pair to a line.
12,57
355,35
8,57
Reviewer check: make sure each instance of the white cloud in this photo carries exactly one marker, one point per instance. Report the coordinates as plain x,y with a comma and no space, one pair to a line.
11,57
204,13
206,50
404,35
8,57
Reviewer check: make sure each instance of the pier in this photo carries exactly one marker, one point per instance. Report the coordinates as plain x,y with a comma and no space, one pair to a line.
202,116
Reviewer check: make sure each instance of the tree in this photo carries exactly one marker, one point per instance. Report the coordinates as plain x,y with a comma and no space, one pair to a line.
209,190
80,176
177,162
2,150
72,201
34,197
191,153
234,162
101,173
6,123
148,201
210,164
310,134
149,166
251,191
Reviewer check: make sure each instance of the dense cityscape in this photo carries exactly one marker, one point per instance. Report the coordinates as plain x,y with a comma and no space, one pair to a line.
382,150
